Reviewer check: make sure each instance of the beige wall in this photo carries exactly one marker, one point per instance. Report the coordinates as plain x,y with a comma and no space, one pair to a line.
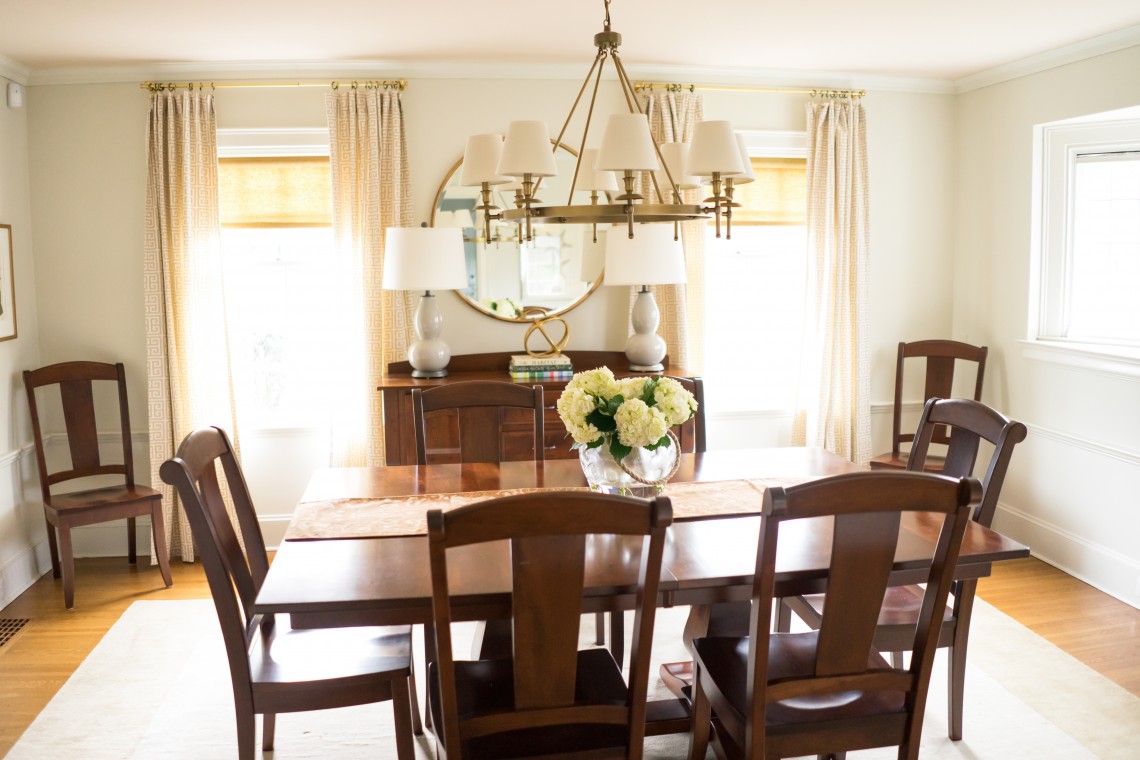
1072,493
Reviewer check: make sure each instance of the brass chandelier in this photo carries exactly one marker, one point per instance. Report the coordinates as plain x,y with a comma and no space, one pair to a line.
716,155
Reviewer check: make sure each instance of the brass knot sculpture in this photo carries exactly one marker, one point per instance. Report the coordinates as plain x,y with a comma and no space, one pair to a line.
538,325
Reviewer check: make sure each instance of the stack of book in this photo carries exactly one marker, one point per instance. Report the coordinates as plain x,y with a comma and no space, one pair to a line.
525,367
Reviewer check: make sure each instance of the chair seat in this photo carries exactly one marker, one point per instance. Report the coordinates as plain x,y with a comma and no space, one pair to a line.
95,498
333,654
898,461
725,659
485,687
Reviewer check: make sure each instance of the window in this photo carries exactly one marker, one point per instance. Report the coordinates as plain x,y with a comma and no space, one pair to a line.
277,242
754,283
1088,234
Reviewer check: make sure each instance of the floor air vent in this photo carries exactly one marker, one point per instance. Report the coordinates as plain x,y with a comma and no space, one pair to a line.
10,627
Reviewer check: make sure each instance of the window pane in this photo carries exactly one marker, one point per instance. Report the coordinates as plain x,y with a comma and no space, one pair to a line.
280,304
1105,255
754,316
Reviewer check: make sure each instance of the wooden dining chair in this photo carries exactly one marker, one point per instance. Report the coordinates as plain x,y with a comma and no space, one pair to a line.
74,384
942,358
546,697
275,669
969,423
478,407
826,692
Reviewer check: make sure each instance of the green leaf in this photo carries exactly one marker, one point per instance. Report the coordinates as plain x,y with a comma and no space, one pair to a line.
602,421
595,443
614,403
647,391
619,450
662,441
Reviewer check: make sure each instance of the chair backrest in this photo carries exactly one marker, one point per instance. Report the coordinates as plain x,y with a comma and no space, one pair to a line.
866,508
969,423
76,392
942,357
479,406
550,535
692,433
235,574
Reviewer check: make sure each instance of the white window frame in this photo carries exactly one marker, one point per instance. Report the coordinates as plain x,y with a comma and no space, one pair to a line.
1056,147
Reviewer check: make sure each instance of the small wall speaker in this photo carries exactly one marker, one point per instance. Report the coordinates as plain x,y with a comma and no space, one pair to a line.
15,95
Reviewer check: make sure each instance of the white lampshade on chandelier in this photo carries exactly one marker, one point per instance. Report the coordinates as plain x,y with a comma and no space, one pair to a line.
627,149
651,257
427,259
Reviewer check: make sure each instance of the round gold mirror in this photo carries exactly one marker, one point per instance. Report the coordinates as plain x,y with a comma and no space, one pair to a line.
512,279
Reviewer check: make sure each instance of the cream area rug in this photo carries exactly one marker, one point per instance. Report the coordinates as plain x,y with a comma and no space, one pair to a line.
157,686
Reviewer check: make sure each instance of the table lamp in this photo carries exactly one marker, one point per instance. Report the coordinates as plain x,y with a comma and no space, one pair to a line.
425,258
652,257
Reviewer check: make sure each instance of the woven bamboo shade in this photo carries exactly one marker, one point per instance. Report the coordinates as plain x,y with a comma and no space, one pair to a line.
275,191
777,197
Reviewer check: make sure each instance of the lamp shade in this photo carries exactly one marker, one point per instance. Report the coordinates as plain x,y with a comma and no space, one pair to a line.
527,150
481,161
592,178
714,149
651,257
676,155
424,258
627,144
747,175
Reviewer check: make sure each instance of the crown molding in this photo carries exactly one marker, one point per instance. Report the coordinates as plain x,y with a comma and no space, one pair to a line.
9,69
1051,59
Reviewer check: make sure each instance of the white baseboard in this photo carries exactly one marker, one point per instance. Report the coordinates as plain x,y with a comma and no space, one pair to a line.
1100,567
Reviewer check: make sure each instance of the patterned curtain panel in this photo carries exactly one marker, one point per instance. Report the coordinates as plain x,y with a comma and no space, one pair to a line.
189,384
672,118
834,407
371,192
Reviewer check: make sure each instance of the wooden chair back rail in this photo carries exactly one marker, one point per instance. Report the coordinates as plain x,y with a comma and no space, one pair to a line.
74,382
942,357
479,405
547,533
781,666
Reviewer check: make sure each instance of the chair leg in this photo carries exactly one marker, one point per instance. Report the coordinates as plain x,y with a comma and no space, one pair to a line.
132,550
67,566
599,628
897,660
268,729
702,718
53,548
955,687
417,724
246,733
783,616
617,636
402,713
161,551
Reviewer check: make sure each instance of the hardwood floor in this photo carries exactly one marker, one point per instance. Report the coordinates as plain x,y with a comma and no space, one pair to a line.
1093,627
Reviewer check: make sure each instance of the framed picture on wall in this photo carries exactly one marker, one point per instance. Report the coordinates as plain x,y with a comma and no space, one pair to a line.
7,285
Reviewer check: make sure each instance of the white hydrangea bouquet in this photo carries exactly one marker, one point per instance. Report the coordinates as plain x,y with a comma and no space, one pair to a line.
620,417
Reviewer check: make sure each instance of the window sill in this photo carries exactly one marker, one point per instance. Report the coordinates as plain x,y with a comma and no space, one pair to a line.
1115,361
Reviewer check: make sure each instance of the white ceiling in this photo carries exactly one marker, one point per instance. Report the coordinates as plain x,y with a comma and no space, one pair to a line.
920,39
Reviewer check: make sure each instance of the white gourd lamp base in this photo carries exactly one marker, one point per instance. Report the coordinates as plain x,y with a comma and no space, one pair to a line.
645,349
428,354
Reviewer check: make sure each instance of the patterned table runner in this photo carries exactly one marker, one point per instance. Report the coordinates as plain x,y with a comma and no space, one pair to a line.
406,515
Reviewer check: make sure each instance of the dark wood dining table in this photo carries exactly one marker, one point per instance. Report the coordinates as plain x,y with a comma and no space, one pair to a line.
385,579
370,580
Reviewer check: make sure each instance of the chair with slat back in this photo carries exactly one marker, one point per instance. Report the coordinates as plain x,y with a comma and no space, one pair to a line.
826,692
75,382
969,423
478,405
942,359
547,697
275,669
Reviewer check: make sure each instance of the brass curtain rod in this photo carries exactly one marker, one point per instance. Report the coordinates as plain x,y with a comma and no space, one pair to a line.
392,84
816,92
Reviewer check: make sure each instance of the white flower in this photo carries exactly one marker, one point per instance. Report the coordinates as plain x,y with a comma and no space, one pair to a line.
631,387
599,382
639,424
573,407
676,403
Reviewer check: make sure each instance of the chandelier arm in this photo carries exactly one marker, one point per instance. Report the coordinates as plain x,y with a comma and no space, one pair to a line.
634,107
589,118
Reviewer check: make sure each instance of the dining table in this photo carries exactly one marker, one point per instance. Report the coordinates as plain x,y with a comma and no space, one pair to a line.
356,550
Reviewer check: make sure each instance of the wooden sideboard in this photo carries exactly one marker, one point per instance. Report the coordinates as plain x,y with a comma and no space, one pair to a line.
516,425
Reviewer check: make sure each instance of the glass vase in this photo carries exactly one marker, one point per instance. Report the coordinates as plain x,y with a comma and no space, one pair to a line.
642,473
